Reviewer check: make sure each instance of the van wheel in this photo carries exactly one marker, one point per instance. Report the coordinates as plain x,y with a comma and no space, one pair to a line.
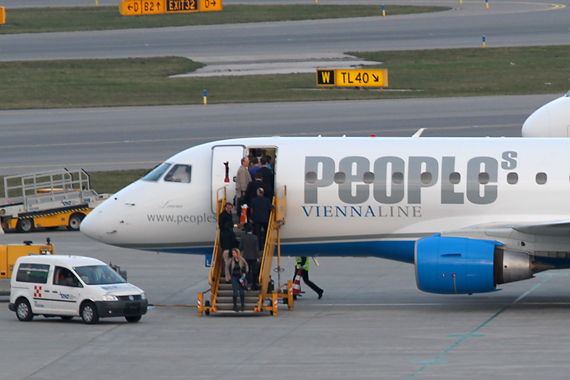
89,313
75,222
133,318
23,310
25,225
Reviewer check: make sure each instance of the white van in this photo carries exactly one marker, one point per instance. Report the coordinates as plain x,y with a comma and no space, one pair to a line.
70,286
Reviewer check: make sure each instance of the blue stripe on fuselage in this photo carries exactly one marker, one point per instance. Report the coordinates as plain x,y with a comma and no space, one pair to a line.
392,250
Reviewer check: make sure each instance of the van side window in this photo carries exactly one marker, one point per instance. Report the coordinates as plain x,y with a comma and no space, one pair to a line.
179,173
64,277
36,273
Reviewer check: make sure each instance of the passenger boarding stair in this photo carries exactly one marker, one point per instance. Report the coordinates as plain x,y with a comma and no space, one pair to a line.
265,299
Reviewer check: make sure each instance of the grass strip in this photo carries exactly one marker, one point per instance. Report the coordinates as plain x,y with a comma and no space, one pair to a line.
412,74
39,20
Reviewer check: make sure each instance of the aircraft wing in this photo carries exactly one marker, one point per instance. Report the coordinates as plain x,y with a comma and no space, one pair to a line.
560,228
550,238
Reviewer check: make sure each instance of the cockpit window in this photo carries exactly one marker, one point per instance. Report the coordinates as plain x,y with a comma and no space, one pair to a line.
157,172
179,173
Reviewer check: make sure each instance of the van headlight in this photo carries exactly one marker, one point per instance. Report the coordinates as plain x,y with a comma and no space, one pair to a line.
109,297
143,296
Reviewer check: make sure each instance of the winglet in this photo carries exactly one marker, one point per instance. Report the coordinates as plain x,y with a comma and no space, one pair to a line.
418,133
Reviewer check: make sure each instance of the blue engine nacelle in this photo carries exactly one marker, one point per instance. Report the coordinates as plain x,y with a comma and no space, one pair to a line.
453,265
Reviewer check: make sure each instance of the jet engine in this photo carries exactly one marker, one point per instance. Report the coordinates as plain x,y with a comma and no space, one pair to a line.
453,265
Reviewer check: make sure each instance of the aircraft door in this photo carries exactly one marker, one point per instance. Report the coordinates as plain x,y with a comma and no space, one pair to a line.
226,160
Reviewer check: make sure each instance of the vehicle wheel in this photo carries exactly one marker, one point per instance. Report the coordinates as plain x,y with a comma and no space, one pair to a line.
23,310
133,318
25,225
207,303
66,317
75,222
89,313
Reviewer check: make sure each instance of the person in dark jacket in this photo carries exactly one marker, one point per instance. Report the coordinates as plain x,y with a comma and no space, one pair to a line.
251,191
226,216
228,241
268,178
260,208
249,247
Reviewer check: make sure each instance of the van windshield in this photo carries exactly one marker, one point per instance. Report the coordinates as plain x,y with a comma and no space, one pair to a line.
98,275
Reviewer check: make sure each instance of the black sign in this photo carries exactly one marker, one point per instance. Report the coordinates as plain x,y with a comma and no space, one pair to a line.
325,77
181,5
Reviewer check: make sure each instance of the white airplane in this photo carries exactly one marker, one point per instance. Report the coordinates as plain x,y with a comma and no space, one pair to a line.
550,120
469,213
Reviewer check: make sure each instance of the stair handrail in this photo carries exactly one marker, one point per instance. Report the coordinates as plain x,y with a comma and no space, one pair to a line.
216,264
280,211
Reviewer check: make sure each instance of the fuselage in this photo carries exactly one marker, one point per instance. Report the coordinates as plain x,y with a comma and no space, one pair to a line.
348,196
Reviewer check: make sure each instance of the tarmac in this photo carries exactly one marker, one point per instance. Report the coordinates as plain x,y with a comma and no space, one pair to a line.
372,323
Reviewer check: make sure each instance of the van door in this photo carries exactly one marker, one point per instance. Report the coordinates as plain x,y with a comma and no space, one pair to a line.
226,160
65,292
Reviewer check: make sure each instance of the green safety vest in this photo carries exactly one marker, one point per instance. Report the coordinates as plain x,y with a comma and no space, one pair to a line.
306,266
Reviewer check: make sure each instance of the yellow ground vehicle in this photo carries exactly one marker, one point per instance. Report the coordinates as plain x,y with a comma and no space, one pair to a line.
47,199
10,253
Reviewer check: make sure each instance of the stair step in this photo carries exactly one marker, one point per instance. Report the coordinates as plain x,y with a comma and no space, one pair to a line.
230,306
230,300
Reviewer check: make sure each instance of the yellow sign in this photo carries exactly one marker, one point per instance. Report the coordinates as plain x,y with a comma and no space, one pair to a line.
130,8
362,78
152,7
352,78
209,5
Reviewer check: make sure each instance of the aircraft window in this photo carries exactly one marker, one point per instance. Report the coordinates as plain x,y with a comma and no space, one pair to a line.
397,178
179,173
512,178
483,178
425,177
541,178
368,178
311,177
157,172
454,178
339,177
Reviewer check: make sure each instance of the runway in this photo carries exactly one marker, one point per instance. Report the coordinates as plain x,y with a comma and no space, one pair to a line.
141,137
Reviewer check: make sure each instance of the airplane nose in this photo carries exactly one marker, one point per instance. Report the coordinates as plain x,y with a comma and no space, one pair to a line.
93,225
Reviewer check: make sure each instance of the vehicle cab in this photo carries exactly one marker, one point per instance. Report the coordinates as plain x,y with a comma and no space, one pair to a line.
70,286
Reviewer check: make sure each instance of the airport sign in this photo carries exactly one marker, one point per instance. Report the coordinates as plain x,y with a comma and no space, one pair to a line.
352,78
152,7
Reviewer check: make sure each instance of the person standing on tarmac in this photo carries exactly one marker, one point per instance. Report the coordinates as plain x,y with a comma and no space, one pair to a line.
303,263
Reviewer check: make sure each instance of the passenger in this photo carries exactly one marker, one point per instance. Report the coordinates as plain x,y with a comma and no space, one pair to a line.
235,270
249,247
255,166
228,241
251,191
260,208
303,263
268,178
243,178
268,159
226,216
